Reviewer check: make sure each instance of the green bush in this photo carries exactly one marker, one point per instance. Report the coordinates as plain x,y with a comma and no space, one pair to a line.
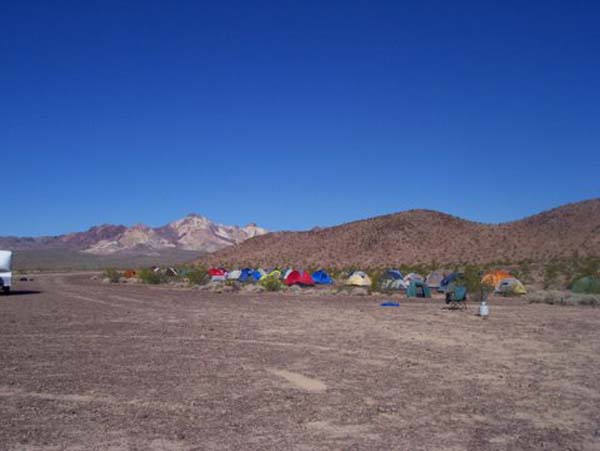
375,277
198,276
112,274
555,297
150,277
271,283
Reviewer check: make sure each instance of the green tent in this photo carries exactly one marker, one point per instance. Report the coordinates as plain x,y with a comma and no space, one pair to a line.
418,289
587,284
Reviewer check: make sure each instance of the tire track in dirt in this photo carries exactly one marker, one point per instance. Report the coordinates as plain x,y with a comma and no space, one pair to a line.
8,392
86,294
341,352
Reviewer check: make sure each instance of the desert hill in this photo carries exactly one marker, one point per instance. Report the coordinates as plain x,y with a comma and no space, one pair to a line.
423,237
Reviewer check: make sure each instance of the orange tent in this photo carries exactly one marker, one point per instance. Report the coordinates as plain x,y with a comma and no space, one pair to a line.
493,278
130,273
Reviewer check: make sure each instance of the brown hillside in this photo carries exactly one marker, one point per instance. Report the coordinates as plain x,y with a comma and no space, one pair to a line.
423,236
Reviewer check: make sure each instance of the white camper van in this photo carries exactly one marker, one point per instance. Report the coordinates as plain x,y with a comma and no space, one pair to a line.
5,271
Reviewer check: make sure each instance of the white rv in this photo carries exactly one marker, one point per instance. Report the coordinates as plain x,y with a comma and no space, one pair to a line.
5,271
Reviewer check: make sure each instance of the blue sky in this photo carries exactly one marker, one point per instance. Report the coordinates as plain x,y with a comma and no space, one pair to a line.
294,113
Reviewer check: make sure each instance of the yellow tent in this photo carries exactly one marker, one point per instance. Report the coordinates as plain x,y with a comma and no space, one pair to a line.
359,279
511,286
276,274
493,278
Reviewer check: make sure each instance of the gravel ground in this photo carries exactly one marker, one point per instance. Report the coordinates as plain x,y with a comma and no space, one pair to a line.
85,365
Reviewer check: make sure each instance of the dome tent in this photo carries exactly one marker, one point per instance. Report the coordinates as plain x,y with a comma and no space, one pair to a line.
413,276
259,274
246,275
391,279
359,279
234,275
511,286
493,278
434,278
418,289
217,274
587,285
299,278
322,278
275,274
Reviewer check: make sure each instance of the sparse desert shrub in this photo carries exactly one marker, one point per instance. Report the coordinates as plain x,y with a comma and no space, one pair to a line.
271,283
112,274
375,278
150,277
556,297
198,276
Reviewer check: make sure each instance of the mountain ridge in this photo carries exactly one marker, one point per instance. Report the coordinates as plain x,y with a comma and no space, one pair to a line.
193,232
425,236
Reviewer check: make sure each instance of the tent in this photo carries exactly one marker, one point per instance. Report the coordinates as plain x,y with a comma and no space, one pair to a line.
322,278
287,273
259,274
217,274
246,275
129,273
418,289
493,278
359,279
449,279
392,279
511,287
413,276
587,284
299,278
276,274
434,278
234,275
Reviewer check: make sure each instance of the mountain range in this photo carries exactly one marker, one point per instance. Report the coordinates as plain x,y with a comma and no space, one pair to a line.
409,237
187,237
423,237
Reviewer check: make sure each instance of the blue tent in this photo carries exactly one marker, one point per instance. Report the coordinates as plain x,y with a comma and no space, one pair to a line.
322,278
394,274
246,275
448,280
390,280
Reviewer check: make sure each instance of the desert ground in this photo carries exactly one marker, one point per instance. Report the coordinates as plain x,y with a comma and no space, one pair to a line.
86,365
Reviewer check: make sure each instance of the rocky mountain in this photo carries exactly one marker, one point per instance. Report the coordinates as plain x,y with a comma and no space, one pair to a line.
192,233
424,236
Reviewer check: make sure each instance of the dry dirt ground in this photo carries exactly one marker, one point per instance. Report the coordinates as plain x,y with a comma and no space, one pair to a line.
90,366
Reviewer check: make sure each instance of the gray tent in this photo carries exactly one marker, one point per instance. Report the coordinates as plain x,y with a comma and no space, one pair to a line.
434,279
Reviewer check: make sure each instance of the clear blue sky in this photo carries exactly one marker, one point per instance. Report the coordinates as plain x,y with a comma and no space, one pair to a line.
294,114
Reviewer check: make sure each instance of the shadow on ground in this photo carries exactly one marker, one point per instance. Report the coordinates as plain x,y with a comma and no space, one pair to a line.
20,293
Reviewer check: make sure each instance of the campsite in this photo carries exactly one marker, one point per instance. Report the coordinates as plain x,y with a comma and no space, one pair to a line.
300,226
130,366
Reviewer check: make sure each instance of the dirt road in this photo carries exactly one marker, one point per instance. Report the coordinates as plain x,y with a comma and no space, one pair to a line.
90,366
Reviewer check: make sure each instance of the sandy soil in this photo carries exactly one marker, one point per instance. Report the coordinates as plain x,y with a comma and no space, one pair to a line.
90,366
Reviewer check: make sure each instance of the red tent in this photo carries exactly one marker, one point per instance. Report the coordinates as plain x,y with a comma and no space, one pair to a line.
295,277
216,272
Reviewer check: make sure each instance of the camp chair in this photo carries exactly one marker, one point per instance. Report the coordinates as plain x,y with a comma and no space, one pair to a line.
456,296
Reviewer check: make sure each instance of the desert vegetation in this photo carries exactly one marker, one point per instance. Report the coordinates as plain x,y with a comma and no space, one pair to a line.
556,297
550,277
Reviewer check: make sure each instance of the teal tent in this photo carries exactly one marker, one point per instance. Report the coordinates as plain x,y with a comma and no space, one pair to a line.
418,289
